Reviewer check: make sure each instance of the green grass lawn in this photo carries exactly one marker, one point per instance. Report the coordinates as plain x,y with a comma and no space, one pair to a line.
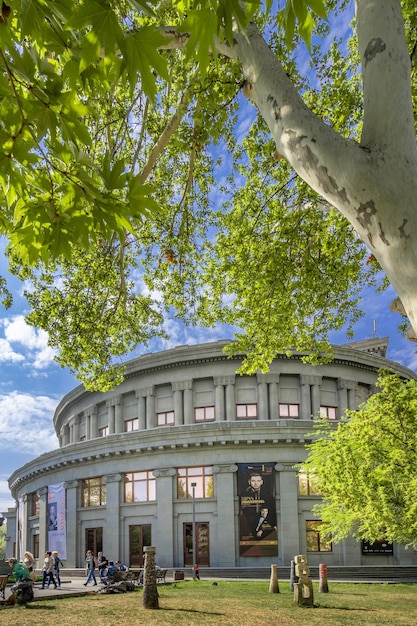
196,603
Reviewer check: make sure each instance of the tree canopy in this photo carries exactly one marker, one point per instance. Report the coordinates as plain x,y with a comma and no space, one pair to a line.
365,468
137,178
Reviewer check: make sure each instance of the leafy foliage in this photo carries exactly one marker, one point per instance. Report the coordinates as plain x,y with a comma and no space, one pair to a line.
116,121
365,468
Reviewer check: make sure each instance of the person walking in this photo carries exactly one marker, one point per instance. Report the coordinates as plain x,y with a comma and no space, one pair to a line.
57,564
47,571
196,570
90,566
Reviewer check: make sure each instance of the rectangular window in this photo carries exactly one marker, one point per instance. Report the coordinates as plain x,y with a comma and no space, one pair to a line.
34,504
246,411
139,486
103,432
93,492
35,546
165,419
204,414
315,542
291,411
329,411
201,476
131,425
306,486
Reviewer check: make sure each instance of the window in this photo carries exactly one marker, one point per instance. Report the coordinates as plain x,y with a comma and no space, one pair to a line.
34,504
201,476
289,411
329,411
306,485
139,486
131,425
139,537
94,539
315,542
204,414
246,411
165,419
35,546
93,492
103,432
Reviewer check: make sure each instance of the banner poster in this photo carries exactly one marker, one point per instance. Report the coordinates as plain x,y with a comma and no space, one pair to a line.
56,520
257,515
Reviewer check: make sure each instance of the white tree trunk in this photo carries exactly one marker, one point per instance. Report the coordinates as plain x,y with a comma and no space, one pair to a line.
374,183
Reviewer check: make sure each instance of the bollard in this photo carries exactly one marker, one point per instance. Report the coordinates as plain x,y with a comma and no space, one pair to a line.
323,586
150,591
273,581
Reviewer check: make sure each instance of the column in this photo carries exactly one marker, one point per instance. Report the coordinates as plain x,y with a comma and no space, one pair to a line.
163,535
140,396
289,531
119,426
111,529
219,404
110,415
24,534
315,394
76,429
72,525
263,409
94,422
226,519
43,527
178,404
230,398
353,404
150,407
273,397
305,398
342,398
188,402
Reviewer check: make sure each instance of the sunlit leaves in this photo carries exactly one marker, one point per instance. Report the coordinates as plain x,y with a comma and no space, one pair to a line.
366,469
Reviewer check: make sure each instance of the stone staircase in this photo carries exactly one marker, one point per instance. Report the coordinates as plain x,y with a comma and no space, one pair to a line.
364,573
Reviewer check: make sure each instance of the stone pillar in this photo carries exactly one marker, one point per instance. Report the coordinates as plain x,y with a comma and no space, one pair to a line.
43,527
219,408
150,407
150,592
119,425
289,539
225,519
230,398
305,398
65,435
178,404
303,589
273,581
94,422
351,395
76,429
72,524
165,495
263,409
188,402
140,396
342,399
23,520
273,395
110,415
111,530
315,395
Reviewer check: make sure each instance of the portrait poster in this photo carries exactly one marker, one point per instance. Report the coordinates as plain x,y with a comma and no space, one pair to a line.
257,512
56,520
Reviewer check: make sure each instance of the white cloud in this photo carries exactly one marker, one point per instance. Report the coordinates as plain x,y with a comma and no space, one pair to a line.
25,343
26,423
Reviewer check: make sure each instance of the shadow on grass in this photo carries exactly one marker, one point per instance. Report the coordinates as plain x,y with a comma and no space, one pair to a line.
192,611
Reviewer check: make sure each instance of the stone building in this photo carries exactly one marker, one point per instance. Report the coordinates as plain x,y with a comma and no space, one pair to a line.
196,460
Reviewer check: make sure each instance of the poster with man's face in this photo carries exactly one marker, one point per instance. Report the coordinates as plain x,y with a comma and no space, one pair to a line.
257,515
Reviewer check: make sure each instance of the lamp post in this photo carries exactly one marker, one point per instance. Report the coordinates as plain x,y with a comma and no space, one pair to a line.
193,485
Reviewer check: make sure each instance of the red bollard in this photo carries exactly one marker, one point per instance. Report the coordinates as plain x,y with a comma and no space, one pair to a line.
323,586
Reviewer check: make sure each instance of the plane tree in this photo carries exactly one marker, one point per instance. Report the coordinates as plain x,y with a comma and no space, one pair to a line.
191,156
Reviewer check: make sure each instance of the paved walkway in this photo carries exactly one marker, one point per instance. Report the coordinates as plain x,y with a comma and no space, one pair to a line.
69,586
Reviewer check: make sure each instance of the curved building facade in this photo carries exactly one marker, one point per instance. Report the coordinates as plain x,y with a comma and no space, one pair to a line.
190,457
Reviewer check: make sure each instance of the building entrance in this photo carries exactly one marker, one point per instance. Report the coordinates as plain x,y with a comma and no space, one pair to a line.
202,544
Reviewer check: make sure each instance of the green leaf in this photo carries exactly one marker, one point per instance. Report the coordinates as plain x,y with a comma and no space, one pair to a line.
141,54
